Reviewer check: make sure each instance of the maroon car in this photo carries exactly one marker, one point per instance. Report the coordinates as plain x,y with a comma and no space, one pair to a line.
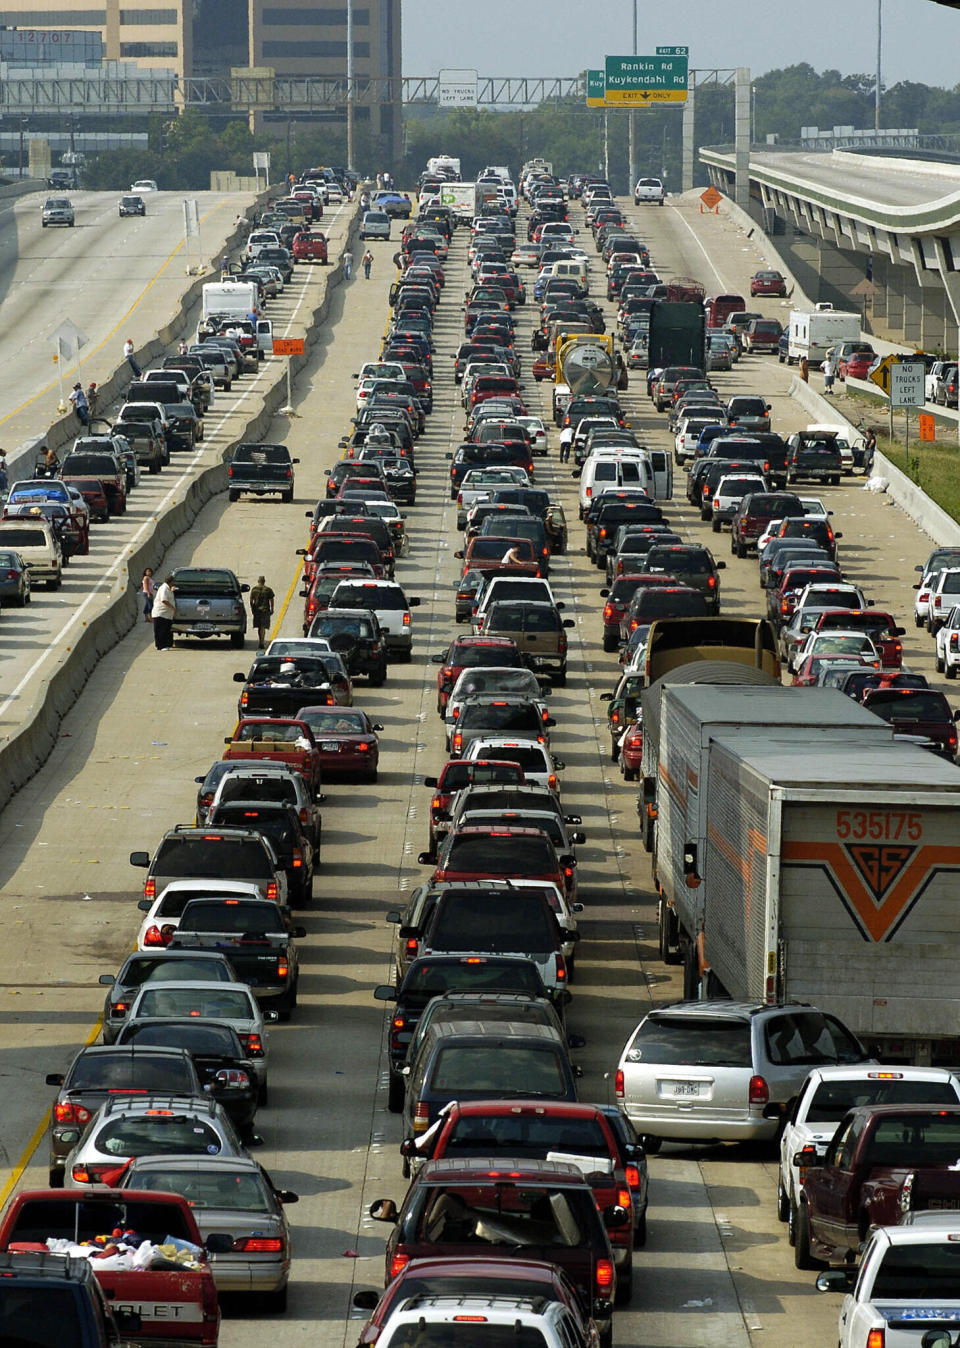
457,775
346,740
767,283
917,711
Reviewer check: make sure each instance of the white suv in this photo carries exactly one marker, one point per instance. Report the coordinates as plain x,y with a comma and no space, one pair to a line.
948,644
649,190
520,1320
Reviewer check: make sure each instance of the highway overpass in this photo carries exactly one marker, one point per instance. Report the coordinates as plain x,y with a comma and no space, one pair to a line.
865,231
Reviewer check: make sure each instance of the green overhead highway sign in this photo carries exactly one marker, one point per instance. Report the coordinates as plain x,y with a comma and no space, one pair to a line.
638,81
596,89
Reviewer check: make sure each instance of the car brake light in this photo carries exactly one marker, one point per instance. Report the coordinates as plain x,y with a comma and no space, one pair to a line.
759,1091
259,1244
633,1176
421,1117
253,1044
155,935
604,1276
876,1338
67,1112
150,888
398,1263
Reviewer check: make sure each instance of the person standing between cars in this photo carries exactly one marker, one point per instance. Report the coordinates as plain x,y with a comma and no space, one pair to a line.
261,608
129,357
804,369
78,401
148,589
566,440
347,263
4,478
829,368
163,612
93,397
367,261
183,347
869,450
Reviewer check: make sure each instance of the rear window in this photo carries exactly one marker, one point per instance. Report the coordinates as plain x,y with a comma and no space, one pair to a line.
527,1135
163,1135
481,1069
667,603
35,1313
918,705
530,757
438,976
692,1041
129,1071
500,719
535,1215
211,1040
918,1273
369,596
691,563
469,657
261,454
212,858
834,1098
206,1003
490,854
457,776
924,1140
232,916
197,580
22,538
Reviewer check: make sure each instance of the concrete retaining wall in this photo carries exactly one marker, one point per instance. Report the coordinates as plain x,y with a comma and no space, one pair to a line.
926,514
29,747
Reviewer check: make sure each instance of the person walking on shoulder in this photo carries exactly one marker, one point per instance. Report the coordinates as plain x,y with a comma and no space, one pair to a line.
148,590
4,476
128,356
367,261
347,263
261,609
829,368
78,401
163,612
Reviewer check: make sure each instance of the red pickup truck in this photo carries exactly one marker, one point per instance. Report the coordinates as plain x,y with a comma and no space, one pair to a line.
309,247
277,741
883,1162
175,1305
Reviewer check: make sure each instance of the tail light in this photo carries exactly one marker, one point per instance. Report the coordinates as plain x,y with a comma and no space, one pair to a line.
436,803
150,888
364,747
952,739
604,1276
244,699
71,1113
876,1338
716,503
231,1078
805,1158
272,891
406,620
758,1091
421,1117
552,782
157,936
253,1045
623,1198
398,1263
633,1176
259,1245
411,946
283,968
304,817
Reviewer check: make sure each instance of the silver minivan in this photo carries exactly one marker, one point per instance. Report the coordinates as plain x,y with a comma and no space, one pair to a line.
57,211
724,1071
375,225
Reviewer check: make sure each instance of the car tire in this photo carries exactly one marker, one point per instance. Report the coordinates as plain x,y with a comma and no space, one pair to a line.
691,973
614,752
939,664
640,1231
263,1095
237,639
651,1145
286,496
396,1091
629,774
274,1301
610,643
624,1294
233,496
783,1202
56,1177
950,671
560,678
379,679
802,1257
716,525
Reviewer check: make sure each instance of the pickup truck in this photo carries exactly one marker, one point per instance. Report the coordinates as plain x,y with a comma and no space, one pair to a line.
261,469
270,689
814,455
176,1305
255,936
883,1163
278,741
209,603
48,1300
905,1288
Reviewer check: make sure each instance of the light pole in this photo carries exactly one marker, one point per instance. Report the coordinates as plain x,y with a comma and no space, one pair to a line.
632,120
350,84
22,124
876,92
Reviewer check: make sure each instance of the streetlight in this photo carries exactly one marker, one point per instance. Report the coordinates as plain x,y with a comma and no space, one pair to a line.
876,92
23,122
632,120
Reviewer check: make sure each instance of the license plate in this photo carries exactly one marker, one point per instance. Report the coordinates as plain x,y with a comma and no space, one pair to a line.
330,746
203,627
684,1088
945,1204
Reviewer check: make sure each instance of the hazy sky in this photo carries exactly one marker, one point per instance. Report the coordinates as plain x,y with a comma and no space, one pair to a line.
921,40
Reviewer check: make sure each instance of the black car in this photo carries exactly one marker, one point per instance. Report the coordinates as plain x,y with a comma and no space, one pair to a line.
279,822
432,975
221,1061
281,258
99,1071
356,637
692,565
132,205
814,456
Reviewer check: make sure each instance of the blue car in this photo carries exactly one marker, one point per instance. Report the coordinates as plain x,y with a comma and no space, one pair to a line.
395,204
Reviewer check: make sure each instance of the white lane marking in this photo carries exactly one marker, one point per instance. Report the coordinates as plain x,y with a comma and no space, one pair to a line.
687,225
130,545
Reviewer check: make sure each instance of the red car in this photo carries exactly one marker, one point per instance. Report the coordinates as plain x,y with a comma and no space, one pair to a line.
768,283
808,674
874,623
325,581
309,247
917,711
486,553
346,740
857,365
631,753
467,653
474,1275
457,775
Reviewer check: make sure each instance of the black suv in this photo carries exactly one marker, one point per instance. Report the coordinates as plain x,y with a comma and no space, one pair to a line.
355,635
814,455
197,854
692,565
48,1300
280,822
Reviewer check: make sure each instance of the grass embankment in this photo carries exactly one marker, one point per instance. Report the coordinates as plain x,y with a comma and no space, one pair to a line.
933,465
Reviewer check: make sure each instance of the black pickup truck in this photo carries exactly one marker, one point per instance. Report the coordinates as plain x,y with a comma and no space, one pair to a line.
279,685
257,938
261,469
814,455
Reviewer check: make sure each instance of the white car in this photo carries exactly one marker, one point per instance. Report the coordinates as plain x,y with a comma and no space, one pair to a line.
729,492
826,1096
501,1319
144,185
836,641
479,484
388,601
539,766
948,644
537,432
944,593
260,239
688,437
294,646
905,1288
839,595
164,912
331,194
649,191
523,588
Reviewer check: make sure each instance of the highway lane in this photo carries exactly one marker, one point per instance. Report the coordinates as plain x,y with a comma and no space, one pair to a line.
112,277
717,1268
899,187
34,641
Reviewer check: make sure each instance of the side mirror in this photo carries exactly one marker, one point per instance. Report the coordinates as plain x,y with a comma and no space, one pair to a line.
412,603
614,1215
55,1078
549,722
244,589
309,513
576,1041
239,678
385,992
271,1017
721,566
393,916
301,552
226,740
425,859
143,858
578,838
568,622
383,1210
298,932
840,1280
607,697
604,593
431,782
366,1300
287,1195
438,659
294,460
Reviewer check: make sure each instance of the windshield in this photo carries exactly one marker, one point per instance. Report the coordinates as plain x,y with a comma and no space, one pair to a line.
208,1003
